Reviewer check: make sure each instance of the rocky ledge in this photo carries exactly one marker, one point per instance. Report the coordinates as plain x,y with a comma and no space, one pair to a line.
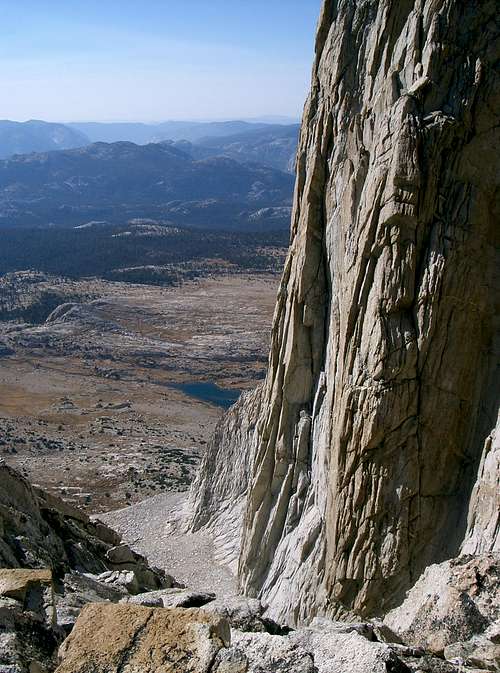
75,599
54,560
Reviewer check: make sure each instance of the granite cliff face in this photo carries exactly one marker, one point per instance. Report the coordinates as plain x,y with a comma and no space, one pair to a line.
354,465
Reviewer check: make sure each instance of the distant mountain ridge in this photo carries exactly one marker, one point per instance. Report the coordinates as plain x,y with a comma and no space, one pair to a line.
118,181
37,136
142,134
270,144
273,146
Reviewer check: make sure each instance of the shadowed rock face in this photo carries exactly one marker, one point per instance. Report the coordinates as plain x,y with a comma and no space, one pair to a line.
53,561
381,391
218,494
39,530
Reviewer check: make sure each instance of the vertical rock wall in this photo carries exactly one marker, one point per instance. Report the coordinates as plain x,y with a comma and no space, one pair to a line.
218,495
379,395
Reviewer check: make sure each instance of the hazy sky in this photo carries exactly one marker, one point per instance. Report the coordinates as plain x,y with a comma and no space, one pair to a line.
79,60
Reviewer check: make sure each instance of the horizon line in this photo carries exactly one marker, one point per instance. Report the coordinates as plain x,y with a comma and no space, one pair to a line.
264,119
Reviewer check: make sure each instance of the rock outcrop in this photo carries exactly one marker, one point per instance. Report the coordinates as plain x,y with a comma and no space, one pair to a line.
381,390
53,561
39,530
127,638
119,638
452,602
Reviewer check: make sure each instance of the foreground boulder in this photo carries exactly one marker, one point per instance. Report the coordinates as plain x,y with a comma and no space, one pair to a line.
137,639
452,602
129,638
323,649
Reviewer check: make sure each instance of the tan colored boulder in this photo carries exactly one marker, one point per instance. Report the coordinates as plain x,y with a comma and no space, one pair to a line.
16,583
32,588
111,638
28,633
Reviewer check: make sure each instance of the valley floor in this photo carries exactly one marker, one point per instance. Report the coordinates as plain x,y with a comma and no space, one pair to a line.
87,407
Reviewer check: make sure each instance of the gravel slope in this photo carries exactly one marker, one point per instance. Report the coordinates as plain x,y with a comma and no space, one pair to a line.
152,528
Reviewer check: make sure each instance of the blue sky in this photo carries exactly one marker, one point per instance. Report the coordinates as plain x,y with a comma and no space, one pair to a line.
80,60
